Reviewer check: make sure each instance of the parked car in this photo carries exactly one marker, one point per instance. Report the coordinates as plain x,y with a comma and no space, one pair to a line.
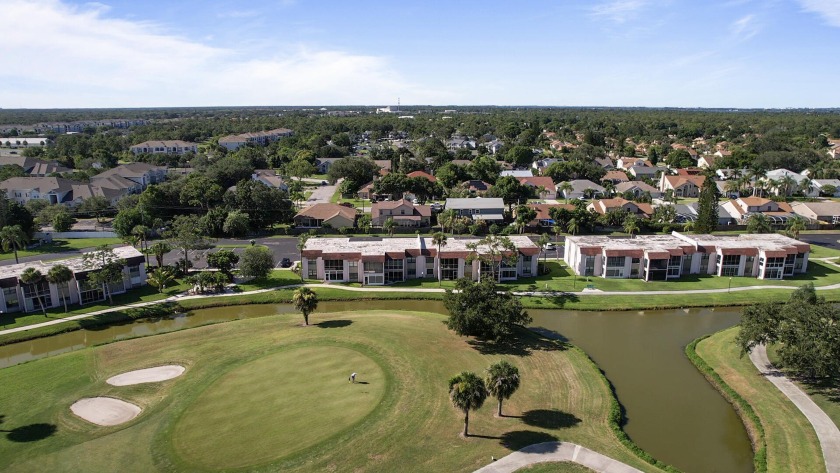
550,247
285,263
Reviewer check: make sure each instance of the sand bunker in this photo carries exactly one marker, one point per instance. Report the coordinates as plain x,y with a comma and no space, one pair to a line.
105,410
148,375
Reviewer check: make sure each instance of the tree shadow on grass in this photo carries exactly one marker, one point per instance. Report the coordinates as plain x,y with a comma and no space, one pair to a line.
522,342
334,323
518,439
549,419
827,387
31,433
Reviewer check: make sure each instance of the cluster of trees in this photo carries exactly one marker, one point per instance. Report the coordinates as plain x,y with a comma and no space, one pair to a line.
468,391
805,330
483,310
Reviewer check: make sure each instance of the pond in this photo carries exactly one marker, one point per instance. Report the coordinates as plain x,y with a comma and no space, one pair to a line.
672,411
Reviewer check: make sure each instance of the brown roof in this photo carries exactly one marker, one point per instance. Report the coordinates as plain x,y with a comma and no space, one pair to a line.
327,211
544,209
418,211
422,174
615,176
679,181
755,201
538,181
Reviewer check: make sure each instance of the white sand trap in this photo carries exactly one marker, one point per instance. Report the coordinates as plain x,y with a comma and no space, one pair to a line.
148,375
105,410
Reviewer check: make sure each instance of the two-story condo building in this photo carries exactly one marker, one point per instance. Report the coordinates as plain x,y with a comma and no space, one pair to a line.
491,209
261,138
663,257
164,147
16,296
377,261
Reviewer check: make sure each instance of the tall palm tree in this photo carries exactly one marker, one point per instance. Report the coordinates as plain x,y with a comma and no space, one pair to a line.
439,239
31,277
565,188
543,243
59,275
733,186
558,229
609,188
572,226
631,225
13,237
788,184
758,223
389,225
305,301
795,225
467,393
502,381
159,249
142,232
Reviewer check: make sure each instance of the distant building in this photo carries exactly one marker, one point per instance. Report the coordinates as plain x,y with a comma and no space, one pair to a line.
336,216
164,147
260,138
404,213
488,209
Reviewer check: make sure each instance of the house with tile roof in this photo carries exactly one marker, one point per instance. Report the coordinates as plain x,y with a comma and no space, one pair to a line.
604,206
827,212
404,213
545,183
637,188
270,178
334,215
490,209
683,186
581,188
615,177
543,218
743,207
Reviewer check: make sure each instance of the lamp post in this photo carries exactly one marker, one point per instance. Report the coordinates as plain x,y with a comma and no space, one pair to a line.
730,285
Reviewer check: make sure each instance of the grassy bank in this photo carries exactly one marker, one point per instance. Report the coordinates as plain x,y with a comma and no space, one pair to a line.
403,421
59,246
776,426
825,393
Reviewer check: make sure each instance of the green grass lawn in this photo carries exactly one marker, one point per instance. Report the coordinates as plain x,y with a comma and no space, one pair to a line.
825,393
818,251
58,246
277,278
266,394
792,444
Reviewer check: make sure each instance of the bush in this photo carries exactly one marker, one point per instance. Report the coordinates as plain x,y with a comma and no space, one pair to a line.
256,262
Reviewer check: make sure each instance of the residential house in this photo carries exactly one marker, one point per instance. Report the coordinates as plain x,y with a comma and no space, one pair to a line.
334,215
34,167
707,161
637,188
683,186
366,192
164,147
141,174
460,143
581,188
780,176
404,213
260,138
615,177
626,162
543,186
642,172
517,173
494,146
543,218
422,174
384,166
270,178
825,212
323,164
378,261
18,297
475,186
54,190
743,207
487,209
819,185
541,164
666,257
604,162
605,206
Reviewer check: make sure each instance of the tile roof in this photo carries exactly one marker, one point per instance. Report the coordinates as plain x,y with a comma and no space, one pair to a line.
326,211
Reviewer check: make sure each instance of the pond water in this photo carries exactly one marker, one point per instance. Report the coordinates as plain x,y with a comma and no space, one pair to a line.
672,412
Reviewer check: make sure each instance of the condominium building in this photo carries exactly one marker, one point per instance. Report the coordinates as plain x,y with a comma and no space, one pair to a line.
663,257
16,296
261,138
164,147
378,261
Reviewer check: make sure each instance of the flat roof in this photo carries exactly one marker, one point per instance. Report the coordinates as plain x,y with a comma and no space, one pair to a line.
380,246
76,264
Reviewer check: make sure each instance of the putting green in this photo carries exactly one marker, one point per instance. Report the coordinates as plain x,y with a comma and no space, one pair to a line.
278,405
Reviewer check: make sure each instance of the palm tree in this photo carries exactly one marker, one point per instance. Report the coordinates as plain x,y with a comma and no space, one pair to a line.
31,277
467,393
565,188
502,381
787,183
439,239
59,275
543,243
795,225
301,244
688,226
631,225
609,188
305,301
13,237
159,249
160,278
758,223
142,232
806,186
557,229
733,186
572,226
389,225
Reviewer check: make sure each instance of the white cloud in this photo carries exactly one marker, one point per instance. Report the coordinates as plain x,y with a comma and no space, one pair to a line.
745,27
56,55
828,9
619,11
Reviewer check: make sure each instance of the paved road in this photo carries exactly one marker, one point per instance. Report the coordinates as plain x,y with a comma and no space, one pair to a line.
827,431
557,452
322,194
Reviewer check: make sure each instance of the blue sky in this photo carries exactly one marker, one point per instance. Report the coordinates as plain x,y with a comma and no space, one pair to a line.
736,53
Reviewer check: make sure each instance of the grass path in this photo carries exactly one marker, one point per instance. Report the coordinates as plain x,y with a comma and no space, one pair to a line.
791,442
413,428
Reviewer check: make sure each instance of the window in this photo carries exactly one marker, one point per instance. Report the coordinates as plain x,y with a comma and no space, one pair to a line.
354,270
773,268
790,261
729,265
39,291
526,265
334,270
589,266
312,269
731,260
374,267
11,297
674,264
615,267
748,266
90,292
507,270
704,263
449,268
393,270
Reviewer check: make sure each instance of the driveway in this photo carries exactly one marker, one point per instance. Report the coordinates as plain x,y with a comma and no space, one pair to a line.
322,194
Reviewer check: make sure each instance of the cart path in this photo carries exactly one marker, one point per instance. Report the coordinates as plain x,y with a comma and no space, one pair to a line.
557,452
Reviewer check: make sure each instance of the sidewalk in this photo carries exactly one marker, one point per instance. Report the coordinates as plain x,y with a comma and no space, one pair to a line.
827,432
557,452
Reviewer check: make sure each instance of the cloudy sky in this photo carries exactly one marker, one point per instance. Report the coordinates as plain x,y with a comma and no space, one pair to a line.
683,53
